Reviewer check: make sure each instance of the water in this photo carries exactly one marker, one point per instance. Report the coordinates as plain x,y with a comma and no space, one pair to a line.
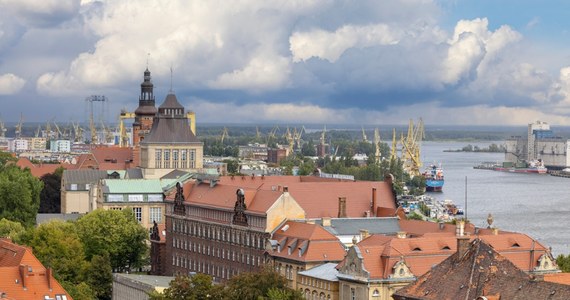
537,205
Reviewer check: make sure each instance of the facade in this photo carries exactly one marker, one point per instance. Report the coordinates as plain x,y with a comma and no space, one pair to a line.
320,282
23,276
60,146
275,156
143,196
299,246
170,144
76,187
135,286
221,226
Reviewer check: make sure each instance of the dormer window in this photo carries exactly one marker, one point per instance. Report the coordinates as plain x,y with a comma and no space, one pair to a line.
376,293
417,249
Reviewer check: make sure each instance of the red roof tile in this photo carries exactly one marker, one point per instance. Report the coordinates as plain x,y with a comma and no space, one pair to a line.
19,268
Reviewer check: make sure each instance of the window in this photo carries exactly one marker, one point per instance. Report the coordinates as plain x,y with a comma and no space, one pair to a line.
87,186
183,154
154,198
73,187
376,293
167,159
156,214
192,153
136,198
175,159
158,159
115,198
138,213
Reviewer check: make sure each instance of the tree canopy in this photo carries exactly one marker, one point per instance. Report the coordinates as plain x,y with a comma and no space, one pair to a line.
115,232
19,195
50,196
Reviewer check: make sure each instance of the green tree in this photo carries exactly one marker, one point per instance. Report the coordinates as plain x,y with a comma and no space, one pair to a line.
57,245
99,276
233,165
50,196
563,262
196,287
19,195
6,157
11,229
79,291
258,285
117,233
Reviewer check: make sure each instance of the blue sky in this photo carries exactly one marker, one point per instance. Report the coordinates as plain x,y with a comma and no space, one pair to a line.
321,61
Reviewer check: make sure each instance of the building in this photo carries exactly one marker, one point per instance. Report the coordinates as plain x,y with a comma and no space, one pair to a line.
478,271
299,246
136,286
221,225
76,190
540,143
22,275
320,282
145,112
170,144
380,265
275,156
60,146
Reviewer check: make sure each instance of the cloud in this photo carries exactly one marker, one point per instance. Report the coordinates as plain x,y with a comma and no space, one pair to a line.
10,84
41,13
331,45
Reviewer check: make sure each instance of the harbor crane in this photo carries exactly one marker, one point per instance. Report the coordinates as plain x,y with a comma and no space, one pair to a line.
90,100
271,135
377,144
2,129
224,135
411,152
394,150
364,137
18,131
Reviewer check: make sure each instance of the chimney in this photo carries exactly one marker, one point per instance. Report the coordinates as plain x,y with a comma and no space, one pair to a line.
460,228
48,276
441,225
495,231
401,234
326,222
24,274
373,208
364,234
462,246
342,207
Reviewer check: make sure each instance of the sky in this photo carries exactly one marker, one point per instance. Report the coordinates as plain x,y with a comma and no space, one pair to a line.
449,62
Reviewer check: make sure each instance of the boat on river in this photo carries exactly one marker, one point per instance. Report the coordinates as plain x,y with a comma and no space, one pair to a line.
434,179
533,167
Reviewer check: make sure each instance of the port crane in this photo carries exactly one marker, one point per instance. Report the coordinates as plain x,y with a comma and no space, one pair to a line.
394,150
364,137
411,152
2,129
18,131
224,135
377,141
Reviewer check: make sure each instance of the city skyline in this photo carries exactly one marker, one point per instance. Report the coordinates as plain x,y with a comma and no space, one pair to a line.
336,62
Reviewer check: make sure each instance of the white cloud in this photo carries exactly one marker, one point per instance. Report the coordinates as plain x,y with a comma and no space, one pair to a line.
331,45
10,84
41,13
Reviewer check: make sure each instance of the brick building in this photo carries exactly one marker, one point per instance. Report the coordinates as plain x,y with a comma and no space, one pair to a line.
221,225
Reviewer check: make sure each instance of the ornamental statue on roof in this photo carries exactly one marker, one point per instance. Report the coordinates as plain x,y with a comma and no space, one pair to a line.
179,207
239,209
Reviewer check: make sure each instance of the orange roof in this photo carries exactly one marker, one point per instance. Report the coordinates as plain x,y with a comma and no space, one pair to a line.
22,275
38,170
307,242
381,252
562,278
318,199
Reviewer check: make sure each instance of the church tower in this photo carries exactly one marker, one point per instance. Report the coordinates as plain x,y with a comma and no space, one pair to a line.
146,111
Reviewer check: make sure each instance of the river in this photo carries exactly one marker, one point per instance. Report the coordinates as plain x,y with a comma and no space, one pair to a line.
537,205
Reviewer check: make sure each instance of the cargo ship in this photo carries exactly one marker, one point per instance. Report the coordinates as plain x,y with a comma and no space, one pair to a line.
434,179
533,167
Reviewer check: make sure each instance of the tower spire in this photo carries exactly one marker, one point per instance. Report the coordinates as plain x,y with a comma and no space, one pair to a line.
171,91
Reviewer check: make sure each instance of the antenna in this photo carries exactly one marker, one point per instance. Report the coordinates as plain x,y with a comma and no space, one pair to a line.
465,211
171,78
147,58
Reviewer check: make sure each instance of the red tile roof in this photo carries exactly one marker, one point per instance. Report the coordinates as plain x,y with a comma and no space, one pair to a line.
39,170
308,243
381,252
22,275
